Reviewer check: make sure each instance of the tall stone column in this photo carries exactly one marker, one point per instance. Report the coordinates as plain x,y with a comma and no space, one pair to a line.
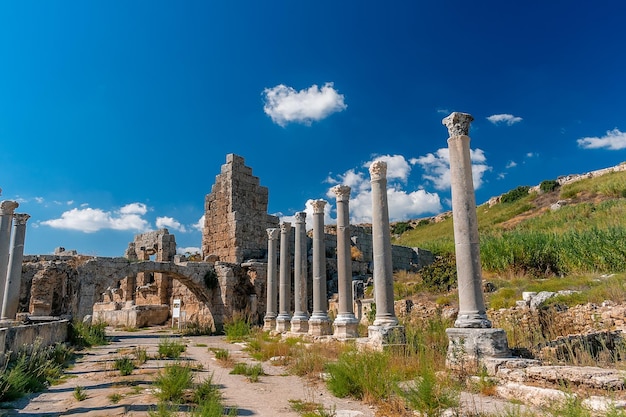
319,323
14,278
300,319
381,247
472,334
284,292
346,324
7,208
272,275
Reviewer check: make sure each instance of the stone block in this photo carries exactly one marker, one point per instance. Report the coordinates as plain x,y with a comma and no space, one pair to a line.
468,346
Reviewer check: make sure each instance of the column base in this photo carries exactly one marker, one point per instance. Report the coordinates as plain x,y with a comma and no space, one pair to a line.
283,323
300,324
381,337
346,326
472,320
269,323
320,326
468,347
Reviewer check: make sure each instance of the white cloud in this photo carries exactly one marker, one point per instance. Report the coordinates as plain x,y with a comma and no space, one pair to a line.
532,155
91,220
199,225
507,119
170,223
613,140
397,166
39,200
511,164
443,111
190,249
437,167
286,105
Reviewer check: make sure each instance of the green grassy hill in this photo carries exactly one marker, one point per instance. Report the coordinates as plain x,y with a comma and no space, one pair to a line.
524,236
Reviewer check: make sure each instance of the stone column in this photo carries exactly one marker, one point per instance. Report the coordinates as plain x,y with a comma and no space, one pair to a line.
346,323
284,292
472,338
272,290
14,278
7,208
300,319
381,247
319,323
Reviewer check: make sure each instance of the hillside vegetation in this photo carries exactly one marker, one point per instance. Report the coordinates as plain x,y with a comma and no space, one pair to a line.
522,235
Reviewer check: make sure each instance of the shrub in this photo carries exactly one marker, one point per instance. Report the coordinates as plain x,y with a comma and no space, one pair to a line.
125,365
141,356
428,395
79,393
548,186
210,279
169,348
84,335
441,274
400,227
237,330
515,194
172,382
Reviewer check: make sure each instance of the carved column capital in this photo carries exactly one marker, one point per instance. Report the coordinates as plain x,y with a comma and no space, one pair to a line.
285,227
273,233
378,170
20,219
342,192
318,206
8,207
458,124
300,217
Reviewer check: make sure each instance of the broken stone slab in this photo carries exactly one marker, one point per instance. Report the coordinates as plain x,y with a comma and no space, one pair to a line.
588,376
468,348
602,404
529,395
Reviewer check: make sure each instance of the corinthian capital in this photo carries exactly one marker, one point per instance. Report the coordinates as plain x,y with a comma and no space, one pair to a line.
458,124
300,217
318,206
285,227
378,170
20,219
342,192
8,207
273,233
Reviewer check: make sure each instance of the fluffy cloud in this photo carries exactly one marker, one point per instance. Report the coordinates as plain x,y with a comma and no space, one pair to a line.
437,167
507,119
286,105
91,220
613,140
190,249
200,224
170,223
511,164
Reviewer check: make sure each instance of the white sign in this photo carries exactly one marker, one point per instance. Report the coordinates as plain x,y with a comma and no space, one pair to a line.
176,311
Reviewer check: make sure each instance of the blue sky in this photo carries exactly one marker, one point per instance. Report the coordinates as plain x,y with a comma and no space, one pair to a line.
115,117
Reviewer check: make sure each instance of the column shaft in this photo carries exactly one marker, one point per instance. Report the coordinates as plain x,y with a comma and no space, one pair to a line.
299,321
7,208
272,275
466,241
319,323
381,246
11,299
284,291
346,323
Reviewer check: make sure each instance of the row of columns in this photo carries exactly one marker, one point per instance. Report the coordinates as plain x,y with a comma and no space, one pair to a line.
319,323
11,255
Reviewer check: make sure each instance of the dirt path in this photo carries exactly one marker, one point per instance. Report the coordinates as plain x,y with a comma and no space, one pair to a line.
94,372
269,397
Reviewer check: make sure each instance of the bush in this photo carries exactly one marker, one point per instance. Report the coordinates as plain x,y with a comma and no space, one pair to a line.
172,382
169,348
125,365
441,274
237,330
548,186
400,227
210,279
515,194
84,335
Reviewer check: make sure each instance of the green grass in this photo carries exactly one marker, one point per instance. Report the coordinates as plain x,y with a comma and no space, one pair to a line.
237,330
172,382
79,393
253,372
84,335
125,365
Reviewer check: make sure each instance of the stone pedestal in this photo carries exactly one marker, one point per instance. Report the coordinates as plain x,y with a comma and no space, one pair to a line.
319,323
269,321
283,321
469,347
300,319
345,324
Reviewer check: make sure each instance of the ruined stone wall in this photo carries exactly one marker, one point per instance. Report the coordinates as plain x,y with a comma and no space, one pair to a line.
236,216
